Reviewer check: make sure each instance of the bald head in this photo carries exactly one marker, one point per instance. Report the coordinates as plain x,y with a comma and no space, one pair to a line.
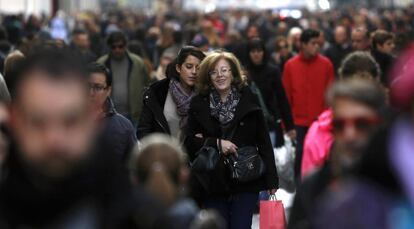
360,39
340,35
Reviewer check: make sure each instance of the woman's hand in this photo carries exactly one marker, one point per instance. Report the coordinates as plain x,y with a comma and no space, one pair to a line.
292,134
227,147
272,191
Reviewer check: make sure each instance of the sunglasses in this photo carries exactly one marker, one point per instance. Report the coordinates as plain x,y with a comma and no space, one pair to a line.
118,46
284,46
361,124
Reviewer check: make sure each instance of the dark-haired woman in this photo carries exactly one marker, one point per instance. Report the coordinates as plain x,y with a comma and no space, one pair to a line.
265,78
166,102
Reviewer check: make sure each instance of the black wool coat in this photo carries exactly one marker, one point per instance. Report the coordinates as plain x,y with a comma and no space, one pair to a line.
268,80
152,119
251,130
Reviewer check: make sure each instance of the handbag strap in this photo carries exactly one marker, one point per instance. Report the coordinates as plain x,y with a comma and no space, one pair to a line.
259,95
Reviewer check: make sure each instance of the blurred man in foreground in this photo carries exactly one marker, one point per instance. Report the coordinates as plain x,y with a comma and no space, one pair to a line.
357,106
54,175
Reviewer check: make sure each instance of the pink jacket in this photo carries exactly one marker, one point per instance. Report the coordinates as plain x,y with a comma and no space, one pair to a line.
318,142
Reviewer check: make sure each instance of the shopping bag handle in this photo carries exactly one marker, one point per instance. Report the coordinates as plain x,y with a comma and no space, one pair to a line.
272,198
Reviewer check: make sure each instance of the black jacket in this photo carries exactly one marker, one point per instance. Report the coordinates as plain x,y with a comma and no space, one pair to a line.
97,194
336,53
385,62
152,118
251,131
268,80
307,197
119,133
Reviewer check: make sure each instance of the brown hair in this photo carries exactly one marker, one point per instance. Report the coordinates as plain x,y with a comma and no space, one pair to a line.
360,64
11,60
204,84
159,164
360,90
379,37
278,40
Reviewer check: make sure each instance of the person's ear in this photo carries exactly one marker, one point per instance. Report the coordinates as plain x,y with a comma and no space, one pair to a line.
109,91
178,68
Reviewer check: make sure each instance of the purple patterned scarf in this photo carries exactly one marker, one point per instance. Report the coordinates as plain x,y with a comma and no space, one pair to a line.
224,111
181,99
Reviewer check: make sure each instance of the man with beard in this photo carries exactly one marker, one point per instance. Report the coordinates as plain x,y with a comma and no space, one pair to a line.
54,175
358,107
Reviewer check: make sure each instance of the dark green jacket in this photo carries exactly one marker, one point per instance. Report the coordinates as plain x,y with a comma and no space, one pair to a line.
138,79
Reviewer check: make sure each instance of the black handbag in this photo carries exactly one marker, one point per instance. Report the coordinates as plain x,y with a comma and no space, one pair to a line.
206,159
247,165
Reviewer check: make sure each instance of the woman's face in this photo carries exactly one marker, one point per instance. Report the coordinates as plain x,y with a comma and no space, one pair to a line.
284,48
188,71
256,56
221,76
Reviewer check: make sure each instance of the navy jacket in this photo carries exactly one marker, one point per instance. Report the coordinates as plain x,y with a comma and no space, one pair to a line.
118,133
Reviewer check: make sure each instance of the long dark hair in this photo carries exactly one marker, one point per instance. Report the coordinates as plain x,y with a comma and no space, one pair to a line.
256,44
171,71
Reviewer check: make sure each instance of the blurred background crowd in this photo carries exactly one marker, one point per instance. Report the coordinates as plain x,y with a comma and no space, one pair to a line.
85,85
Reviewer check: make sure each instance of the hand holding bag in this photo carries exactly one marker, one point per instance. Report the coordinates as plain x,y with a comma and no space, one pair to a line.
247,165
272,214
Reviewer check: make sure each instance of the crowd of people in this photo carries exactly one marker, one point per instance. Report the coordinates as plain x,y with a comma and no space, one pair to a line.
124,120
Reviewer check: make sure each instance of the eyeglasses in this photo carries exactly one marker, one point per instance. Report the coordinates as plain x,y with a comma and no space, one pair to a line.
118,46
97,87
361,124
223,71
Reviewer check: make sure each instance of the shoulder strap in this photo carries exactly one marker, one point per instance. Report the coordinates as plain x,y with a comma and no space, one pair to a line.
259,95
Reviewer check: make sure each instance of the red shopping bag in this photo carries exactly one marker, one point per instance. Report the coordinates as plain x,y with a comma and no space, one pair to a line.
272,214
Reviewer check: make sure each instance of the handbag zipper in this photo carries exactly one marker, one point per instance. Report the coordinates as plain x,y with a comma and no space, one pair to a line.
235,163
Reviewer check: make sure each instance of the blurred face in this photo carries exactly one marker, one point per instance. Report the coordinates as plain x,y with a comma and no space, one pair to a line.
221,76
284,48
188,71
82,41
321,39
311,48
252,32
118,50
256,55
98,89
52,125
387,47
165,61
359,41
353,124
296,40
340,35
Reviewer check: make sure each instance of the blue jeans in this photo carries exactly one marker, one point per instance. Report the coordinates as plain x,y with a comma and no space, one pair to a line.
237,209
